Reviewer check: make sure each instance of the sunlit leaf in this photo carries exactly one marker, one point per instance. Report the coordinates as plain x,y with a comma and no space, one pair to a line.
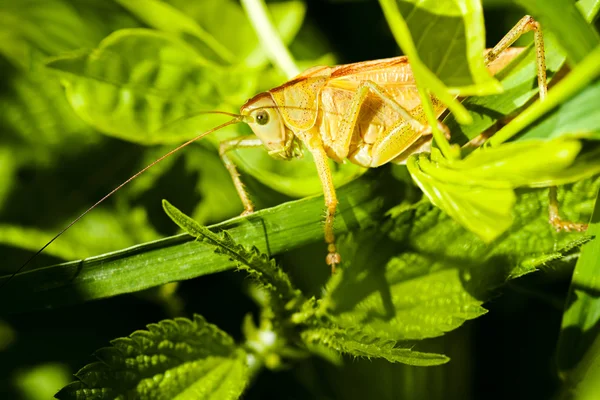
425,275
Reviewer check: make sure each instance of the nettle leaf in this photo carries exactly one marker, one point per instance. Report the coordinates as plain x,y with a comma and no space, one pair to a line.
139,85
257,264
358,344
179,358
425,275
478,191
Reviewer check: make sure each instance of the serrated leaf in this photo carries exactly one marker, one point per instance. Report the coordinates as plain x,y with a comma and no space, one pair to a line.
258,264
358,344
426,275
173,359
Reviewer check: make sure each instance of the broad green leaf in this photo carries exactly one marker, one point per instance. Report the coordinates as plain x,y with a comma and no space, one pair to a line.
478,191
425,275
578,346
163,17
44,25
173,359
519,83
357,344
272,231
449,37
257,264
139,85
102,231
227,22
578,115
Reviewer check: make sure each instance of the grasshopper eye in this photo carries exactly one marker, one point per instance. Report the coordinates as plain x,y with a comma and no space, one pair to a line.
262,117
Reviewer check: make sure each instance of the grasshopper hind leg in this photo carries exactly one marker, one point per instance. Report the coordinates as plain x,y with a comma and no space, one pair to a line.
527,24
554,217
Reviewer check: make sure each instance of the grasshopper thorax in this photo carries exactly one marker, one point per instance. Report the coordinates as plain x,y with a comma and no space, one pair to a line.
265,120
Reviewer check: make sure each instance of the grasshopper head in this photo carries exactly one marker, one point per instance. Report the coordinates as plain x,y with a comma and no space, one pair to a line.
263,116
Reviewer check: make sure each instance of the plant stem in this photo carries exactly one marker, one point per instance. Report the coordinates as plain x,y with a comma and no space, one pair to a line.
269,37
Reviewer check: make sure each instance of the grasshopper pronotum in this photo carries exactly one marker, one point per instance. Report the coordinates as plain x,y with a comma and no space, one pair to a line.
368,113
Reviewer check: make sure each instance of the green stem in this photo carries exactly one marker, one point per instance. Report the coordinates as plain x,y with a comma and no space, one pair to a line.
581,76
269,37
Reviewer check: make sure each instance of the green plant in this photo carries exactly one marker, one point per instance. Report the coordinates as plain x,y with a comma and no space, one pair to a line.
136,72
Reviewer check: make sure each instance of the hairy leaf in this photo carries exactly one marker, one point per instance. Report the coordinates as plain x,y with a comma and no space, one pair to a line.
425,275
357,344
180,358
258,264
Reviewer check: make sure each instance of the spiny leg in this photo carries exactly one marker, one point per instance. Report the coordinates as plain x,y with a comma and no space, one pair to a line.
232,144
527,24
315,146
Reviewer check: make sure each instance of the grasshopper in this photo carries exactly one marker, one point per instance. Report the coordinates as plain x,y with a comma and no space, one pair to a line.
367,113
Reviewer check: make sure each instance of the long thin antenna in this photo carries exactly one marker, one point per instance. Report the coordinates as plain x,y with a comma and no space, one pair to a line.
238,118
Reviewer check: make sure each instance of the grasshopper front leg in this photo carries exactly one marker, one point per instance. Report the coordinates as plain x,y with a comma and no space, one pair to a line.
232,144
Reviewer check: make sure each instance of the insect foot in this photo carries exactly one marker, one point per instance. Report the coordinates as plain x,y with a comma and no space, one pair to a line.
567,226
333,258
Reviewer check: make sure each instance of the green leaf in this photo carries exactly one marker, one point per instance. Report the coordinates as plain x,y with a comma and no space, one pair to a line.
44,25
578,115
569,26
258,264
449,37
358,344
425,275
180,358
578,345
139,85
519,83
86,238
227,22
478,191
166,18
272,231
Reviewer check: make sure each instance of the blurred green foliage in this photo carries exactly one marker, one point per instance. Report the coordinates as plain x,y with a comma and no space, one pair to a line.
95,90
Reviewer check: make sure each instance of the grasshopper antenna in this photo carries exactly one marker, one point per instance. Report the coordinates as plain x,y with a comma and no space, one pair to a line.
237,118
